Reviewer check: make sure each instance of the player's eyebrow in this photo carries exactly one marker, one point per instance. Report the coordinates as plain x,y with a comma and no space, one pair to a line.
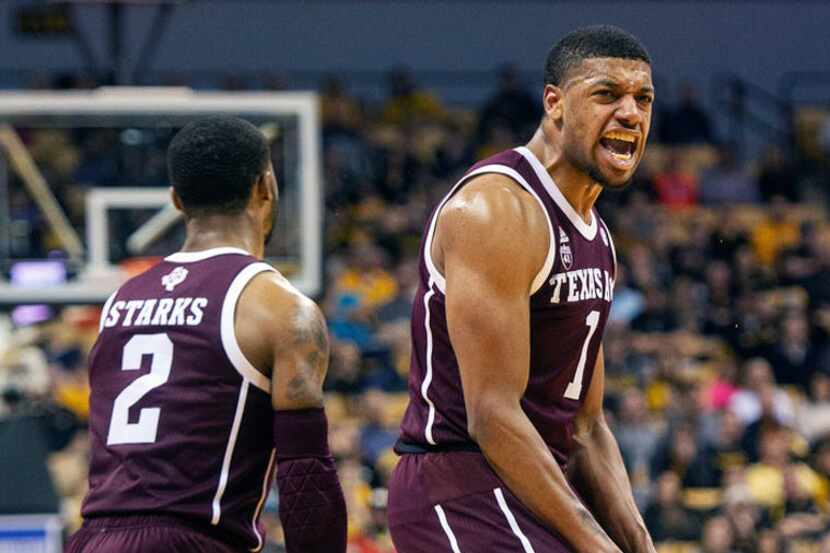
606,82
614,85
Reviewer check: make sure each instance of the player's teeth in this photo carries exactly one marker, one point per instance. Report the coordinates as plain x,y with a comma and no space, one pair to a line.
620,136
622,157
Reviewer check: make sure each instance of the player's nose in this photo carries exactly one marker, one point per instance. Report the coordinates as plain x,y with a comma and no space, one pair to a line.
628,113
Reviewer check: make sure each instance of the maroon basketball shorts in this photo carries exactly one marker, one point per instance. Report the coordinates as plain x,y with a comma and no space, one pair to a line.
454,502
143,534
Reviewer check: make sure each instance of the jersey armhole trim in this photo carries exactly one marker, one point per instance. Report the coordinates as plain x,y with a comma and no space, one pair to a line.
588,231
613,249
543,273
228,328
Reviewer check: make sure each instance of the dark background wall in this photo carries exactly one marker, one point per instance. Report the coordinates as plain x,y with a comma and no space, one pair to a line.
761,41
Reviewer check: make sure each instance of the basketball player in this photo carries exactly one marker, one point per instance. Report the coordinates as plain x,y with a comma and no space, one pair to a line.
207,373
504,446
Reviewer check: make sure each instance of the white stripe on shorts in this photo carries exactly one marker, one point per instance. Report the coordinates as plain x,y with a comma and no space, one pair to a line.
511,520
447,530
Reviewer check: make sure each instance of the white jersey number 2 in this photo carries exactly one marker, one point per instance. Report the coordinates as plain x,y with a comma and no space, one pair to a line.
574,389
160,349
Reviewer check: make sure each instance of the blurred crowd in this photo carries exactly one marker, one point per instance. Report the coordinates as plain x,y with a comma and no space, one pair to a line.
717,351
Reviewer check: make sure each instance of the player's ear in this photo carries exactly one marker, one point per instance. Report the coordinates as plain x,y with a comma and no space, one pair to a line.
552,97
262,187
177,202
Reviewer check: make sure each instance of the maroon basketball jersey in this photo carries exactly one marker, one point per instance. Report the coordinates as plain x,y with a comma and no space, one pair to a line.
180,421
569,304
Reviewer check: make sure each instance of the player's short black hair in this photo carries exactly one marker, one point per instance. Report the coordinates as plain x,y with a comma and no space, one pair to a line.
596,41
214,162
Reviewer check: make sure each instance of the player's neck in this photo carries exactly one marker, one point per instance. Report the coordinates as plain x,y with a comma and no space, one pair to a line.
218,231
578,188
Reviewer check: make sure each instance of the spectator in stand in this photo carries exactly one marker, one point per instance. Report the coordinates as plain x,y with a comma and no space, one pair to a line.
399,307
397,170
718,317
814,409
407,104
345,370
512,105
375,536
454,151
800,517
820,463
721,388
367,277
32,427
727,237
745,517
376,434
757,320
666,518
717,536
767,478
750,274
776,176
675,187
361,286
751,439
769,541
657,316
728,182
341,115
817,284
341,172
688,122
643,272
628,301
794,356
637,437
499,137
725,451
799,261
775,233
758,381
680,453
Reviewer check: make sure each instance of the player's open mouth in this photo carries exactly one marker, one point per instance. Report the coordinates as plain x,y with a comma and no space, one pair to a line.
620,146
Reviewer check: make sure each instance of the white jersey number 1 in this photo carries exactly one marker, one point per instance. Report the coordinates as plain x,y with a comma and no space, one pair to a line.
574,389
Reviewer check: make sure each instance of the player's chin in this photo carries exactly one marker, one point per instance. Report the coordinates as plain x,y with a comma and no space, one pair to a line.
616,172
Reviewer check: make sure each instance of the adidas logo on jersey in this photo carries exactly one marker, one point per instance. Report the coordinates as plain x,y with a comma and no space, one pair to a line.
563,238
174,278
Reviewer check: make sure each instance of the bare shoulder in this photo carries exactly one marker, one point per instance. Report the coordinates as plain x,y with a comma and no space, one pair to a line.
273,317
494,216
270,299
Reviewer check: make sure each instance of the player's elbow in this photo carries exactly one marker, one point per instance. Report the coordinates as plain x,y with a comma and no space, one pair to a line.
487,419
587,428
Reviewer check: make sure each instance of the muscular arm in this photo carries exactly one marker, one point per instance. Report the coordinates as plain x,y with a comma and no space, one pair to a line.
599,473
301,359
479,244
284,332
